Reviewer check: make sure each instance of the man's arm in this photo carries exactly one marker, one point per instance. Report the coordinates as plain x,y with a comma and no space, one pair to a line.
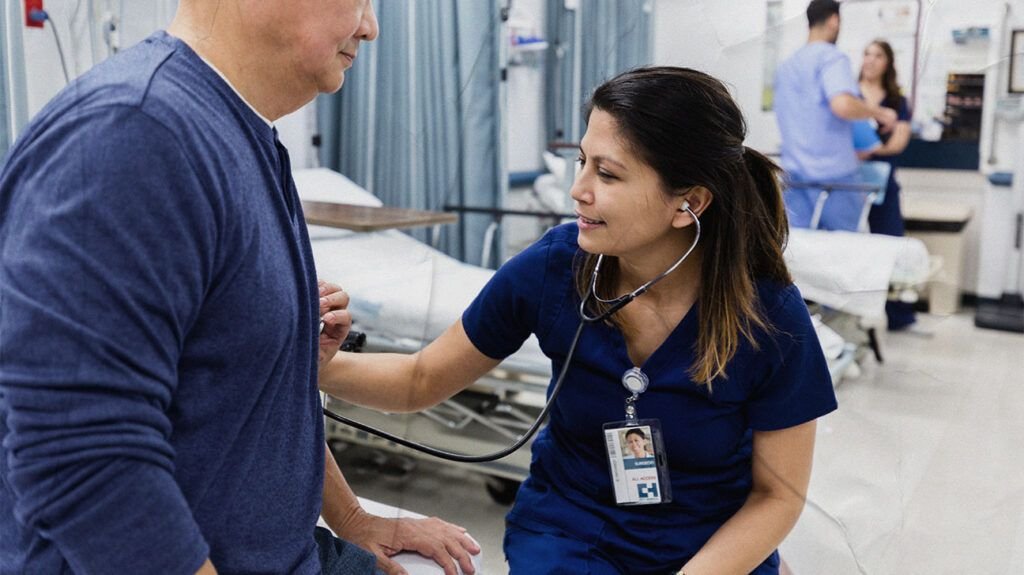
850,107
101,271
441,541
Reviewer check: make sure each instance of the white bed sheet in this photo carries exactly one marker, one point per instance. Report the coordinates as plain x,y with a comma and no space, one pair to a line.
852,271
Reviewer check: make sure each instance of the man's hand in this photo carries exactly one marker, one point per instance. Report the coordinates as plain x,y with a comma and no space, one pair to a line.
886,118
337,320
441,541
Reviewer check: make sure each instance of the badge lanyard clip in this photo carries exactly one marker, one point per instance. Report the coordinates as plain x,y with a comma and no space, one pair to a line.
631,407
635,381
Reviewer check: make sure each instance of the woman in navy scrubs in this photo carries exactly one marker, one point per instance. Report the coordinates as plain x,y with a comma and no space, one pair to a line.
736,373
878,86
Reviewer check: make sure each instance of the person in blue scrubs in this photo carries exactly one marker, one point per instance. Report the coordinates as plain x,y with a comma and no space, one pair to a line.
878,85
816,99
736,375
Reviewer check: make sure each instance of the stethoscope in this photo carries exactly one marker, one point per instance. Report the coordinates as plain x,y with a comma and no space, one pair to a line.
631,379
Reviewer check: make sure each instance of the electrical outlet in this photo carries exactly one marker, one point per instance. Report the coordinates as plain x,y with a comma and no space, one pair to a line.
31,5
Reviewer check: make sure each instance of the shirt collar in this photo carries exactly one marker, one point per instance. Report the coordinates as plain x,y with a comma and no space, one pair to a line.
230,85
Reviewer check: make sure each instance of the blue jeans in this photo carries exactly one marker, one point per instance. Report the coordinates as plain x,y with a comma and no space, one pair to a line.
339,557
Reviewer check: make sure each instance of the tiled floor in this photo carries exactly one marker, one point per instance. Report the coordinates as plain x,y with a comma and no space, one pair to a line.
919,472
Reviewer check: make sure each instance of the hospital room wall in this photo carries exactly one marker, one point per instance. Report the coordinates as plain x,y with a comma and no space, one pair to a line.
728,40
84,41
85,44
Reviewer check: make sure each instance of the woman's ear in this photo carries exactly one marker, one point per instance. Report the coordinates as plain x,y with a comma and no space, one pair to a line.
696,200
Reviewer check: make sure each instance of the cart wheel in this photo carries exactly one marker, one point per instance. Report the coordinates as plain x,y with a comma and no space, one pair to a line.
502,490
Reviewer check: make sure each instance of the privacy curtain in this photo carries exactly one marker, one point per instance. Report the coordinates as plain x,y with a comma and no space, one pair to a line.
5,96
591,42
418,120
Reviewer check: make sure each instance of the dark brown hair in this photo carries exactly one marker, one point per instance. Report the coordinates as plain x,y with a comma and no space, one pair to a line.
636,431
819,11
892,88
685,125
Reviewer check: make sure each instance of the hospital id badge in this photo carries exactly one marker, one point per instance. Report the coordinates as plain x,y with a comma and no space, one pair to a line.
637,462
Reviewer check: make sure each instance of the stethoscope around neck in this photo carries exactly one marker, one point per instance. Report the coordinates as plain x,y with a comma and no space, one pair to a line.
615,304
629,379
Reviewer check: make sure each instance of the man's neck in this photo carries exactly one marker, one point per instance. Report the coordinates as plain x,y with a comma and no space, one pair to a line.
216,38
819,35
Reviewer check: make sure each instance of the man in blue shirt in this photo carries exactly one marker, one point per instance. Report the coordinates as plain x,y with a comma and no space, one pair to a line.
816,99
159,314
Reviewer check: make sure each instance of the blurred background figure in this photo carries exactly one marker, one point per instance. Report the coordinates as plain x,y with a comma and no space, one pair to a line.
878,86
816,104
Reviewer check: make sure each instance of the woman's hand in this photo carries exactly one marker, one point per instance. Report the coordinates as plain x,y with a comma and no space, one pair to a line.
337,320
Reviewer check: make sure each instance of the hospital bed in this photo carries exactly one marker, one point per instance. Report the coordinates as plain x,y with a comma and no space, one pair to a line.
854,274
405,293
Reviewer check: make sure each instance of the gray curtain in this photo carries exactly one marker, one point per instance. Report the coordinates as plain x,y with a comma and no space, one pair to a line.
418,120
13,89
5,99
614,36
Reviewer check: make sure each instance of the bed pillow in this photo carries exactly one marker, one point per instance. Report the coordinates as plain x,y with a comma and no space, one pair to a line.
324,185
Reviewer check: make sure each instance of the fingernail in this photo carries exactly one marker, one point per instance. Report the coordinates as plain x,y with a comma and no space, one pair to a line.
323,301
323,289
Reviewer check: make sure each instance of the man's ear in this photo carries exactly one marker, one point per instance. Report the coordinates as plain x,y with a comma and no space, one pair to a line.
696,200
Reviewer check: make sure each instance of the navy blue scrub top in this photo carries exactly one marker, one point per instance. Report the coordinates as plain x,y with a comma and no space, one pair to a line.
708,436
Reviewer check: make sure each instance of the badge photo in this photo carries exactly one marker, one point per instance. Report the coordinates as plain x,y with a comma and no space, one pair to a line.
637,463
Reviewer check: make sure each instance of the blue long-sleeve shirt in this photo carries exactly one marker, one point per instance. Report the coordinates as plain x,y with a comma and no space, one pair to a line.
158,314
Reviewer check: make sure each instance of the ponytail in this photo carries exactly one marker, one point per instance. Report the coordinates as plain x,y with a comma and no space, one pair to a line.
765,174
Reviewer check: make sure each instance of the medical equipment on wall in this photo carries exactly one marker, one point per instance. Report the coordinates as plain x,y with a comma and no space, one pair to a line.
41,17
615,305
1007,314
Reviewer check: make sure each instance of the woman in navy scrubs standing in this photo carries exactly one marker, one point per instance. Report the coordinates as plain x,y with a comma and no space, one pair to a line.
734,374
878,86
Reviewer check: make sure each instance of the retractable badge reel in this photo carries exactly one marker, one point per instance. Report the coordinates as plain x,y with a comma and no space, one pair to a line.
636,451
